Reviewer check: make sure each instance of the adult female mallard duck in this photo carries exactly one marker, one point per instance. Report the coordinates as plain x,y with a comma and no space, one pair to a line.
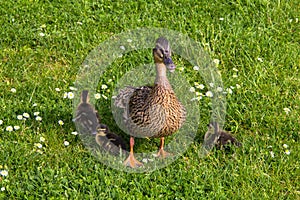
152,111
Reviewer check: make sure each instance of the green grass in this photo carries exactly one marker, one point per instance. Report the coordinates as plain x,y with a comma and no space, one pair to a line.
36,65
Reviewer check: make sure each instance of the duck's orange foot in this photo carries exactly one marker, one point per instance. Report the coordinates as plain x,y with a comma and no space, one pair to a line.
132,162
163,154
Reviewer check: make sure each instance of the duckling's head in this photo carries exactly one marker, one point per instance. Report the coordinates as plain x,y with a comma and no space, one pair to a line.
214,126
85,96
162,53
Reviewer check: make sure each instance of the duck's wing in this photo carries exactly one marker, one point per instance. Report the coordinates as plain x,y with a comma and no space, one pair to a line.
135,94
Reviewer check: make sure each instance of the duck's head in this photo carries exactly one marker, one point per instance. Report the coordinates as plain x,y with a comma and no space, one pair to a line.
162,53
85,96
214,126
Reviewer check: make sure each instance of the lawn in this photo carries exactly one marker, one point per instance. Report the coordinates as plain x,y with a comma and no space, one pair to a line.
255,48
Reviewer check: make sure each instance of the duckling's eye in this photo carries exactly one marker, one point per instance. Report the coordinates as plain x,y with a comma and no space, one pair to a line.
162,53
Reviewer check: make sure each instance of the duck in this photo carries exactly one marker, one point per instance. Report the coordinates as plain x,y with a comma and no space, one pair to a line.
152,111
88,121
110,141
86,117
218,137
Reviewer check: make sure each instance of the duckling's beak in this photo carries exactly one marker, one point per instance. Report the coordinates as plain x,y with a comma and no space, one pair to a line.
169,63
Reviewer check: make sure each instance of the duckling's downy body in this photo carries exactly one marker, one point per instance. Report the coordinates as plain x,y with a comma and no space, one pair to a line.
152,111
86,116
218,137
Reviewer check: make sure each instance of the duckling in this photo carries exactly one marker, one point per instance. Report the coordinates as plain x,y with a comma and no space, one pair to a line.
110,141
86,117
152,111
220,138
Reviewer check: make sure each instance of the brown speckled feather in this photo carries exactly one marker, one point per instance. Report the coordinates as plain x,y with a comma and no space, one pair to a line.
153,111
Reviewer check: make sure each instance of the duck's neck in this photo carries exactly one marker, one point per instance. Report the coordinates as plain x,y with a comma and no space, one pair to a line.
161,76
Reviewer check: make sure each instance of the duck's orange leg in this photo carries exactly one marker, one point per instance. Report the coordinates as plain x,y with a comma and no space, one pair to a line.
131,161
161,152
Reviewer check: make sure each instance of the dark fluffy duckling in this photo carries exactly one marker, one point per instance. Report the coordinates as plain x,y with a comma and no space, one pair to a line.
218,137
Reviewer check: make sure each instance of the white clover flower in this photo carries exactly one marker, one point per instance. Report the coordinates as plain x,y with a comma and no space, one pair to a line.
122,47
57,89
199,94
60,122
196,68
38,118
260,59
290,20
219,89
285,146
97,96
9,129
216,61
38,145
287,152
272,154
1,121
36,113
201,86
13,90
238,86
103,87
42,34
3,189
4,172
192,89
104,97
70,95
73,88
109,80
26,115
34,105
287,110
16,127
65,95
74,133
229,90
42,139
66,143
221,18
209,94
211,84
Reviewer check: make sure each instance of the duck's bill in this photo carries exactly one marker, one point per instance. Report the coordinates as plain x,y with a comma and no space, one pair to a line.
169,63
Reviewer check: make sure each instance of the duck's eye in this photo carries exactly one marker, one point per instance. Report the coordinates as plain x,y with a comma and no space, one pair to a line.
162,53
